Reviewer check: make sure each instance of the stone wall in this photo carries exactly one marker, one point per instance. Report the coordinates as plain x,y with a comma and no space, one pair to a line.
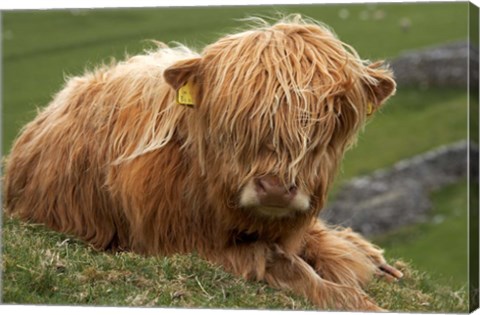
398,196
442,66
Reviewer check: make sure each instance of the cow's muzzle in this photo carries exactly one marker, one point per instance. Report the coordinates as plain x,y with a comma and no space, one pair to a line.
270,196
271,192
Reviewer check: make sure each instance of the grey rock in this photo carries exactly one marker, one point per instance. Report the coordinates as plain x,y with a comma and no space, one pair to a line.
441,66
398,196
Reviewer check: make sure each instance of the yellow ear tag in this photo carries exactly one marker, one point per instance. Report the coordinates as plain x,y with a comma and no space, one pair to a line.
185,95
369,109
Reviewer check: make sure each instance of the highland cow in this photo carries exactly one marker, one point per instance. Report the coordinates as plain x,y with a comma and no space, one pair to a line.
229,153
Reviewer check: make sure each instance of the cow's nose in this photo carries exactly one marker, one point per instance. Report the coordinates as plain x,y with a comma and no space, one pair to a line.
272,192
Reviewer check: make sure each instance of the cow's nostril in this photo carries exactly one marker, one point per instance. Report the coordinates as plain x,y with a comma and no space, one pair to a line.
292,190
260,186
271,191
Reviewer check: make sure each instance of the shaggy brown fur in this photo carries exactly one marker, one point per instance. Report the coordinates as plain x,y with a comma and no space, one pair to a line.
115,161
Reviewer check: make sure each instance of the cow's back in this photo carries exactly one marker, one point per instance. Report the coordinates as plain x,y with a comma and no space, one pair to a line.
57,170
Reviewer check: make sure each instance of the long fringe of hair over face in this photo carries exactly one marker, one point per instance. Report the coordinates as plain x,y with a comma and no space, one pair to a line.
284,99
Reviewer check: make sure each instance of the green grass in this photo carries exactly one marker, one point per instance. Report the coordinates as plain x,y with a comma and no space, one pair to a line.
439,245
412,122
44,267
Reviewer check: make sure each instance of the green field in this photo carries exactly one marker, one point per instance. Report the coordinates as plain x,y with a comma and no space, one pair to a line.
41,48
439,245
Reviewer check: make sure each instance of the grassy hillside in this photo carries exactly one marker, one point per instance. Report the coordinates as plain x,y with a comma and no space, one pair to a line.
44,267
40,48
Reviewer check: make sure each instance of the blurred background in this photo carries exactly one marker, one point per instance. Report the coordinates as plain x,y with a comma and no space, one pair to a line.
41,48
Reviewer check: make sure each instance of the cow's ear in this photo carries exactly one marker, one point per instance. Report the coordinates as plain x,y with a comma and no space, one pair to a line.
180,72
379,84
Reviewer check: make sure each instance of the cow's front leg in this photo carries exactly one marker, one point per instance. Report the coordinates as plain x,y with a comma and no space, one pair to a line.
344,256
373,252
280,269
335,258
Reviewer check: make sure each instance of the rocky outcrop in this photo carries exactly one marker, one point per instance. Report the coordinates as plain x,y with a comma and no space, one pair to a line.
398,196
445,65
